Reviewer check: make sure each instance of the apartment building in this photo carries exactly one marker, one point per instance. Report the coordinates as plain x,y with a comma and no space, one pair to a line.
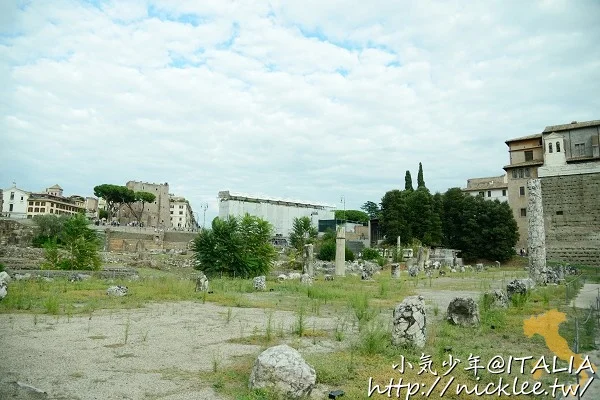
526,155
490,188
182,215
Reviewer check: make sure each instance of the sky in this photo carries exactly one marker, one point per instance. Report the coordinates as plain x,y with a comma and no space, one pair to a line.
308,100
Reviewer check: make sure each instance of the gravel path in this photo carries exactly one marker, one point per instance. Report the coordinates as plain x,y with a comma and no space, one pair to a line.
154,352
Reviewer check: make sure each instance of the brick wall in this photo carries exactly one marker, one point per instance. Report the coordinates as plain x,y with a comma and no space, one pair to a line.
572,218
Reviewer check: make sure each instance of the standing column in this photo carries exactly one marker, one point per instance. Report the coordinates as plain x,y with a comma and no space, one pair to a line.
309,260
536,240
340,251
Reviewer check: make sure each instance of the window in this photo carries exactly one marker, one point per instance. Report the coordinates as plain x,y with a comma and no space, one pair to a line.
37,209
12,195
521,173
42,209
481,193
559,213
180,212
579,150
181,206
10,207
51,211
529,155
171,212
504,192
21,198
522,191
523,212
172,206
489,193
514,173
549,147
527,174
30,209
558,147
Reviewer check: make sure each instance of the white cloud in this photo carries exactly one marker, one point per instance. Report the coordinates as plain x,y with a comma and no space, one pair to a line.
298,99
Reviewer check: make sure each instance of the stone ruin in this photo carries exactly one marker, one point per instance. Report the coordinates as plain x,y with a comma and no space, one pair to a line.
306,279
201,282
117,291
4,280
479,267
413,270
519,286
395,270
260,283
536,234
497,298
463,311
308,266
283,369
367,272
409,320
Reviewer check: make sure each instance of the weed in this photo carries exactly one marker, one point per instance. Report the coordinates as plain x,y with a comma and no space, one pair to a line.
373,340
52,305
360,305
436,309
299,327
519,300
216,359
126,333
269,328
229,314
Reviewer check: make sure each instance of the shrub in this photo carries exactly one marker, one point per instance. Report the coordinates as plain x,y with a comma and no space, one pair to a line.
370,254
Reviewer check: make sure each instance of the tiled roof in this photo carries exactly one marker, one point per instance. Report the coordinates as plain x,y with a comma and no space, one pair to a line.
494,182
572,125
534,136
524,164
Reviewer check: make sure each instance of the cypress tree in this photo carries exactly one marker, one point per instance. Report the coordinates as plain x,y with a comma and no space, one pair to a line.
420,179
408,181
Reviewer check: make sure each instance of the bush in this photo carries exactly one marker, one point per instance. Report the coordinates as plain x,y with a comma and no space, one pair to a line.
2,267
235,247
370,254
328,249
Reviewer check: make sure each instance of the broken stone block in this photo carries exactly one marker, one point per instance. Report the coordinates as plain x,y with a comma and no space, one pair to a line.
3,290
294,275
497,298
117,291
463,311
4,277
367,272
395,269
283,369
519,286
79,277
260,283
409,322
306,279
413,270
282,277
478,267
201,282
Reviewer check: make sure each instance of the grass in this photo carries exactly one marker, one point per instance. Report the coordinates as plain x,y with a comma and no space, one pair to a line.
361,334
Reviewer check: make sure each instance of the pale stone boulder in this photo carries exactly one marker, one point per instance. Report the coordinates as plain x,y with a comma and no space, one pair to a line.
260,283
395,270
306,279
409,322
4,277
117,291
283,369
3,290
201,282
497,298
463,311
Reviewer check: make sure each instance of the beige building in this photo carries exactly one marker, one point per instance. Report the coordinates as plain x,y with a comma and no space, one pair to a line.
490,188
182,215
526,155
43,203
156,214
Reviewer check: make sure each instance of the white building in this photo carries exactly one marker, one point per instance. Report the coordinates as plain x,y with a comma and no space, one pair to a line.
14,204
278,212
491,188
182,216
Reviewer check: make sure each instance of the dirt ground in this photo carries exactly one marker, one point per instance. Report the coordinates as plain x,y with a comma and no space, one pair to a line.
151,353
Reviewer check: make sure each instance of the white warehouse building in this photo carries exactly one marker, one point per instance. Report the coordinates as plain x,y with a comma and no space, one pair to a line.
278,212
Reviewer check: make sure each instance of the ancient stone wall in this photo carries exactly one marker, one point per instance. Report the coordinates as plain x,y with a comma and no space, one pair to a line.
572,218
142,241
19,233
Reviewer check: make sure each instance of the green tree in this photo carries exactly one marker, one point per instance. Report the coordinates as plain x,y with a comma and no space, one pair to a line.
48,228
80,242
372,209
408,185
420,179
302,233
395,216
115,196
352,216
102,214
142,198
235,247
